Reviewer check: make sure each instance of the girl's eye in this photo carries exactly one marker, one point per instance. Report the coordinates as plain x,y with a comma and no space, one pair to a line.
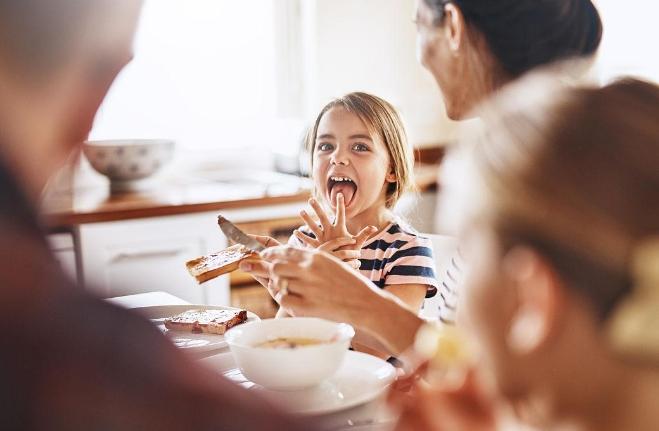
324,146
360,147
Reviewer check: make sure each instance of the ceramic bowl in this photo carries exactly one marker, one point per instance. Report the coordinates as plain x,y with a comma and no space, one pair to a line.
289,368
127,161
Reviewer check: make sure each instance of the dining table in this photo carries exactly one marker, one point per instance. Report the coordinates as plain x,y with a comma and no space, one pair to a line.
373,415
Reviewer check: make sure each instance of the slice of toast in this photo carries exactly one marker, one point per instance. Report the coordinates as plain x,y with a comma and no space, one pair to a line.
213,265
208,321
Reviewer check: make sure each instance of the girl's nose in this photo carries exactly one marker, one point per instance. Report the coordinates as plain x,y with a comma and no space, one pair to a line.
340,158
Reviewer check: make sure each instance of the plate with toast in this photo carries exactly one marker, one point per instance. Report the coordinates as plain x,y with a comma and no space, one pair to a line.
198,328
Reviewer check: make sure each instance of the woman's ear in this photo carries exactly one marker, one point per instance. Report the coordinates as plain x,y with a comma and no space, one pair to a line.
539,300
454,27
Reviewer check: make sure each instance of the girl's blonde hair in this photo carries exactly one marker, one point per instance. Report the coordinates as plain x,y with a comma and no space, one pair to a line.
383,123
574,174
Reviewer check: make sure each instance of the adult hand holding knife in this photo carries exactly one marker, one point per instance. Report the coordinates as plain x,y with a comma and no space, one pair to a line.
260,270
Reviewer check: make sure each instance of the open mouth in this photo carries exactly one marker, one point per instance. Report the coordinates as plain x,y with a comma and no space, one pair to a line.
341,184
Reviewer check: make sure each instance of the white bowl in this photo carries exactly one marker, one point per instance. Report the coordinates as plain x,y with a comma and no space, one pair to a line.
127,161
289,369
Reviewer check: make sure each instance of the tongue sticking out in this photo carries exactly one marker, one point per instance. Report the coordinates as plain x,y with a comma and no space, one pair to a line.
348,190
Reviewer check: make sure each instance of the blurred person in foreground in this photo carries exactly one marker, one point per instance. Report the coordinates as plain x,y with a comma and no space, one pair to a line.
558,213
69,360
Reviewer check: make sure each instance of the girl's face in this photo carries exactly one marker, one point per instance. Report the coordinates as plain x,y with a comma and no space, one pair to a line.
348,160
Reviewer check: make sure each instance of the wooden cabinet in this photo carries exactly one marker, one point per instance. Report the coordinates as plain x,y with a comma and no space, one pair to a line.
255,298
144,255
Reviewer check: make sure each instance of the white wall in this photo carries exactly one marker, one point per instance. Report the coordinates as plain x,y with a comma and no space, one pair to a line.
630,43
370,45
203,75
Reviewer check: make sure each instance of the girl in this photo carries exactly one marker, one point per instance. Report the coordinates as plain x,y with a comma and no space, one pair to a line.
361,165
561,230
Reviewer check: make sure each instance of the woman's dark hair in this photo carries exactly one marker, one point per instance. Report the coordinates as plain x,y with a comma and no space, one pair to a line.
523,34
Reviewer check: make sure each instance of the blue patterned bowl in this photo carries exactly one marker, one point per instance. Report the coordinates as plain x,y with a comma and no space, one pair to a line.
127,161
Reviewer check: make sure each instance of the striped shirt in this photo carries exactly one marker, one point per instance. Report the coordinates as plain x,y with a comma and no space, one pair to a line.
450,282
396,255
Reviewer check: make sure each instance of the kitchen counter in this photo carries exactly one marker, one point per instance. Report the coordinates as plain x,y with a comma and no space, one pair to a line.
192,194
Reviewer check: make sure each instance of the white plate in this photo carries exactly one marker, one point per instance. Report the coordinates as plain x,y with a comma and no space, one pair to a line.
187,340
361,379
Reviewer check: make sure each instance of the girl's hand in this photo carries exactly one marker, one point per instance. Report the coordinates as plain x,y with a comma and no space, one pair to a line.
328,232
462,408
343,249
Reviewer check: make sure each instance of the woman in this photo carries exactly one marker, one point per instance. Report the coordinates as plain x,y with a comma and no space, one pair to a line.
472,48
560,223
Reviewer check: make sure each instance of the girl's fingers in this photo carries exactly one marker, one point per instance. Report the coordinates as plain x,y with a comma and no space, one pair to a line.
347,255
354,264
336,243
322,215
340,221
365,233
311,224
306,239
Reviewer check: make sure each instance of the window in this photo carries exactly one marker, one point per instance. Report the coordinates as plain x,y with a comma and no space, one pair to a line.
204,74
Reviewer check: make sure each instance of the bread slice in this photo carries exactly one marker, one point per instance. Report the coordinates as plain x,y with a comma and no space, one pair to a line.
213,265
208,321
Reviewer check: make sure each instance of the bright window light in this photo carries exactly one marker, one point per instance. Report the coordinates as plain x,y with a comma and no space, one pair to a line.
629,43
204,73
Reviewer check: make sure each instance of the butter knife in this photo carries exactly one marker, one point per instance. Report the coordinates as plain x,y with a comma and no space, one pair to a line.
233,233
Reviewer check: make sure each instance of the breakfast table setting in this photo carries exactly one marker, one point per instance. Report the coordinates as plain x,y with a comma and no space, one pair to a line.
339,389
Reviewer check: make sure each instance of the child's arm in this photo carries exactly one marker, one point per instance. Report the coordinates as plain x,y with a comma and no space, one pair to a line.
411,294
